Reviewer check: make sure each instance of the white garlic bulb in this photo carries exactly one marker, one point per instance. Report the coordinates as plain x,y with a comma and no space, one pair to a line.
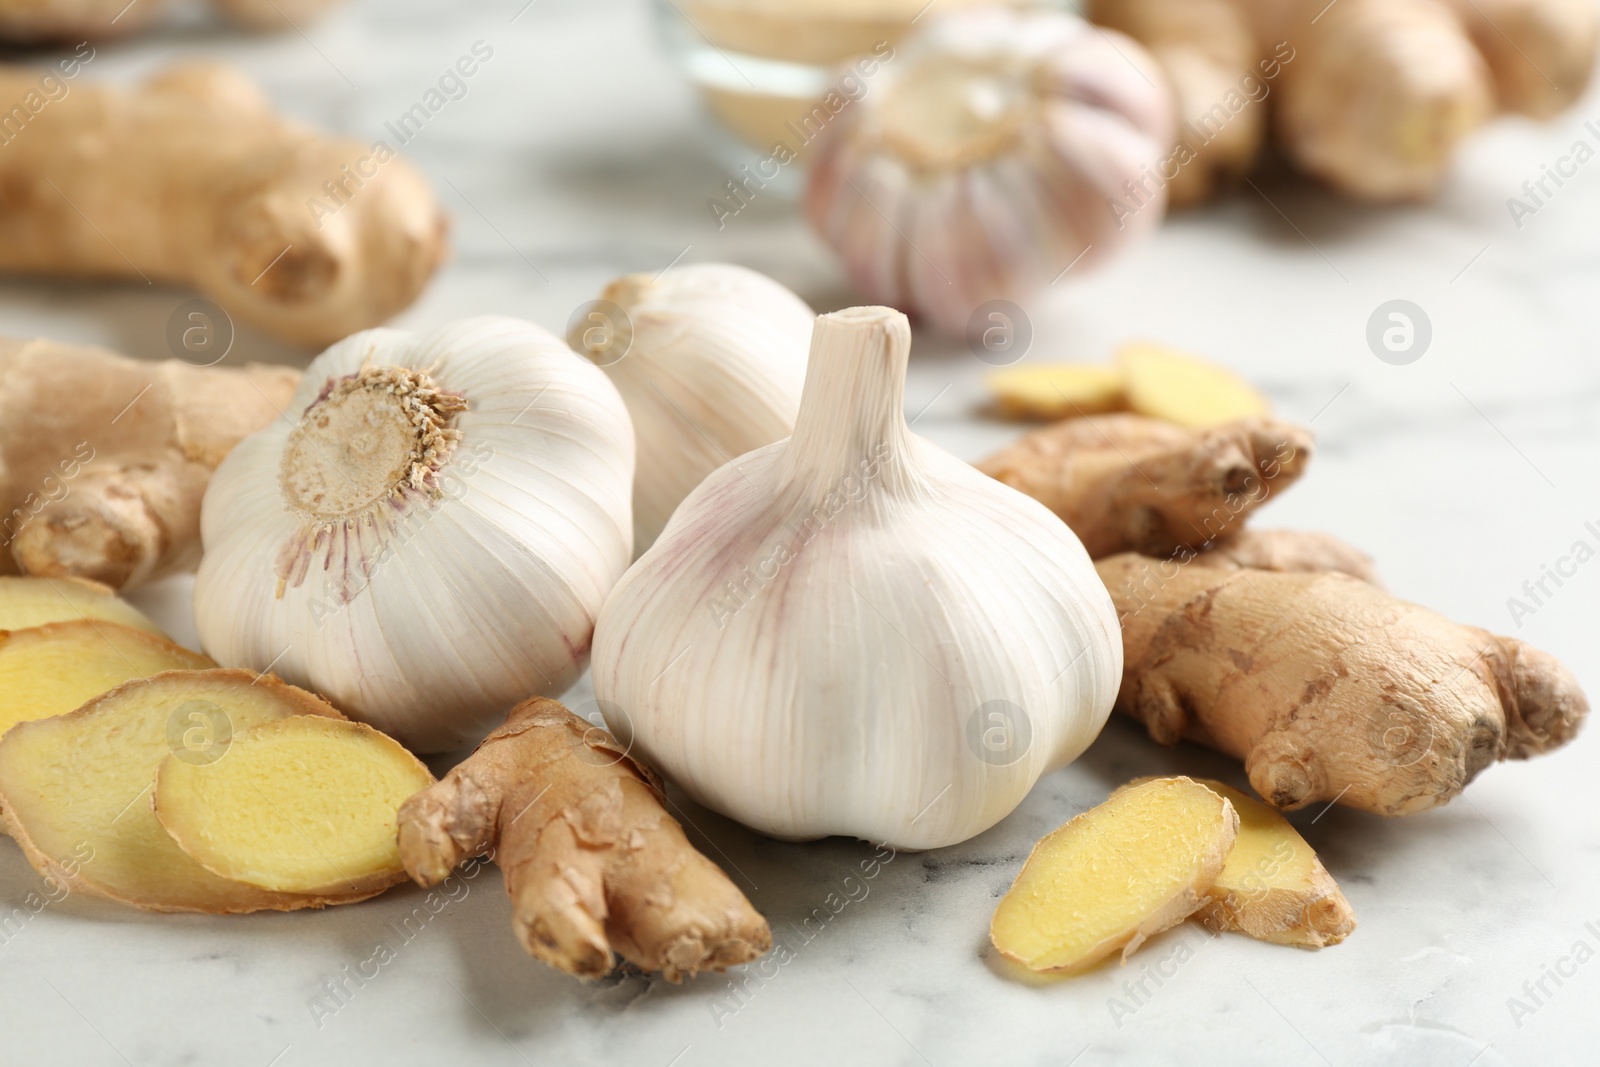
427,536
852,631
988,157
710,359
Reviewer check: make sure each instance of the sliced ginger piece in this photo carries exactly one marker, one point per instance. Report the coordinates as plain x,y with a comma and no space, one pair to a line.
29,601
56,668
1167,384
1272,886
300,805
1058,391
1122,872
75,789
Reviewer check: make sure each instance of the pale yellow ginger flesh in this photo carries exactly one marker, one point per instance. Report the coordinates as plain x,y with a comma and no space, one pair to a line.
299,805
76,789
1130,482
29,601
1122,872
593,862
1057,391
1272,886
1167,384
1327,687
1149,379
58,667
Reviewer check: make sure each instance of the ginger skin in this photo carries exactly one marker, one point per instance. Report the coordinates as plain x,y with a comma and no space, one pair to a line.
1327,687
104,459
1127,482
1287,550
193,179
1372,96
592,861
38,21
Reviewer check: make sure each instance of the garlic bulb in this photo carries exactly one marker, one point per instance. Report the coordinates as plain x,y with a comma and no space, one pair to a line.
987,157
710,359
852,631
428,535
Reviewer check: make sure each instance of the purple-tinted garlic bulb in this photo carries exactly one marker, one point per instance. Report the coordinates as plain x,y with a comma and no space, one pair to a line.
996,149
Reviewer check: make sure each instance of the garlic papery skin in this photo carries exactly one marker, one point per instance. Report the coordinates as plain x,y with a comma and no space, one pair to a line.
710,359
853,632
988,157
428,534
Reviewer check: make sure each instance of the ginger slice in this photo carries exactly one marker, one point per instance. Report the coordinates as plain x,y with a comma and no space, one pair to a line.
1122,872
28,601
56,668
592,861
300,805
1167,384
1058,391
1272,886
75,789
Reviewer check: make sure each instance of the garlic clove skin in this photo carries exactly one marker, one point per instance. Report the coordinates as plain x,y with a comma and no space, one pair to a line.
986,158
710,362
853,632
424,576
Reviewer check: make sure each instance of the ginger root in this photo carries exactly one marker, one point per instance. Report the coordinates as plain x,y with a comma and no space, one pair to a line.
1327,687
29,602
36,21
1126,482
105,459
1372,96
75,790
1286,550
1115,875
193,179
592,861
1272,886
305,804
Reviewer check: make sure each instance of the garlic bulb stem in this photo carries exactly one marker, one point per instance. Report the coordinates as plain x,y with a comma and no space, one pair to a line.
854,403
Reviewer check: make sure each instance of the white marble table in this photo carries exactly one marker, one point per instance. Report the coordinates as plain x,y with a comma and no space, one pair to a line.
574,157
